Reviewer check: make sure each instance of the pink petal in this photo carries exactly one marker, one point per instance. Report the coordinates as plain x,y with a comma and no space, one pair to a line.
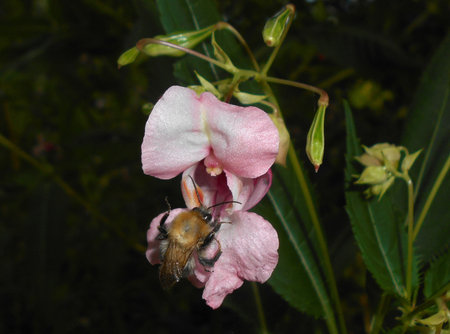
249,252
152,252
244,139
248,191
174,134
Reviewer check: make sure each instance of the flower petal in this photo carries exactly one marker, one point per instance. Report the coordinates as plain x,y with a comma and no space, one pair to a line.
174,134
249,252
248,191
152,253
244,139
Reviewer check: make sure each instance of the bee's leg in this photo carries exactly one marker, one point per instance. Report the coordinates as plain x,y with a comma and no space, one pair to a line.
205,262
162,230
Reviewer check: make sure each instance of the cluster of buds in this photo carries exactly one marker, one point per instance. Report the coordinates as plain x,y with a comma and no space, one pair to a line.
382,162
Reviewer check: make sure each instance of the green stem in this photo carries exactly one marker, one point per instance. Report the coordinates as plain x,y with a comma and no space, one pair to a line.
143,42
47,169
431,197
410,235
259,308
225,25
323,100
277,48
377,320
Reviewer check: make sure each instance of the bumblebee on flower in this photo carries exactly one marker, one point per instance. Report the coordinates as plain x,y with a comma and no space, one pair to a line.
227,150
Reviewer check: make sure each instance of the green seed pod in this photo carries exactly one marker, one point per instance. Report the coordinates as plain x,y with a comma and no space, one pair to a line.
315,141
275,26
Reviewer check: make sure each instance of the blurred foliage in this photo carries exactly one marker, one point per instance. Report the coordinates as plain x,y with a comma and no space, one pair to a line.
64,102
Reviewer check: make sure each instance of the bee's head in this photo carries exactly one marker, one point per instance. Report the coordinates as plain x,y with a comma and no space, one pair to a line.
205,213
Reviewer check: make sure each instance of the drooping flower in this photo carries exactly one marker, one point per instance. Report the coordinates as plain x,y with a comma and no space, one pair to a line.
184,129
248,242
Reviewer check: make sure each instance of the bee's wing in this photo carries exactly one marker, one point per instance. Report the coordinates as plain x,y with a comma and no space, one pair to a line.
176,264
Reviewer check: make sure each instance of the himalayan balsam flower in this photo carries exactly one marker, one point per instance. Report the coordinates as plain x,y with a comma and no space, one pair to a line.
248,242
228,151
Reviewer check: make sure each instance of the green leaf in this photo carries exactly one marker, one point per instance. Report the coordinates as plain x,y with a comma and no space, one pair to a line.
427,128
437,278
378,231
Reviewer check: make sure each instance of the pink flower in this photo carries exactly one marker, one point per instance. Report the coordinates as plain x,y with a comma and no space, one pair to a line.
248,242
184,129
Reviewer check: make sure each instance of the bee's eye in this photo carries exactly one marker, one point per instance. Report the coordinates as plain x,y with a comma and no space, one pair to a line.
207,216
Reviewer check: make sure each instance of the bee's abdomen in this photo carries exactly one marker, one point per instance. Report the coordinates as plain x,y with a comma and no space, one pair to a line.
173,267
169,275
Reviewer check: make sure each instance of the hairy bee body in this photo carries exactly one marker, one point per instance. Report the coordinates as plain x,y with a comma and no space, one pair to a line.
190,231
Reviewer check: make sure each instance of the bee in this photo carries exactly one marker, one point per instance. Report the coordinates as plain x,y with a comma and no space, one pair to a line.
191,231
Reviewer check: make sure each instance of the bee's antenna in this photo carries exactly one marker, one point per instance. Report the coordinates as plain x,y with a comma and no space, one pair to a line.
212,206
222,203
167,202
196,190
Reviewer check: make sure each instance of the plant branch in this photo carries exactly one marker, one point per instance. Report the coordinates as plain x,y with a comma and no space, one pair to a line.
323,100
143,42
225,25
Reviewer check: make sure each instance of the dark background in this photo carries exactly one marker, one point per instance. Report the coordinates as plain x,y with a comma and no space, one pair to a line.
74,203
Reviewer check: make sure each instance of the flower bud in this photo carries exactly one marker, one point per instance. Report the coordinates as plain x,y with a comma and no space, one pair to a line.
275,26
373,175
128,57
387,154
188,40
379,179
315,141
